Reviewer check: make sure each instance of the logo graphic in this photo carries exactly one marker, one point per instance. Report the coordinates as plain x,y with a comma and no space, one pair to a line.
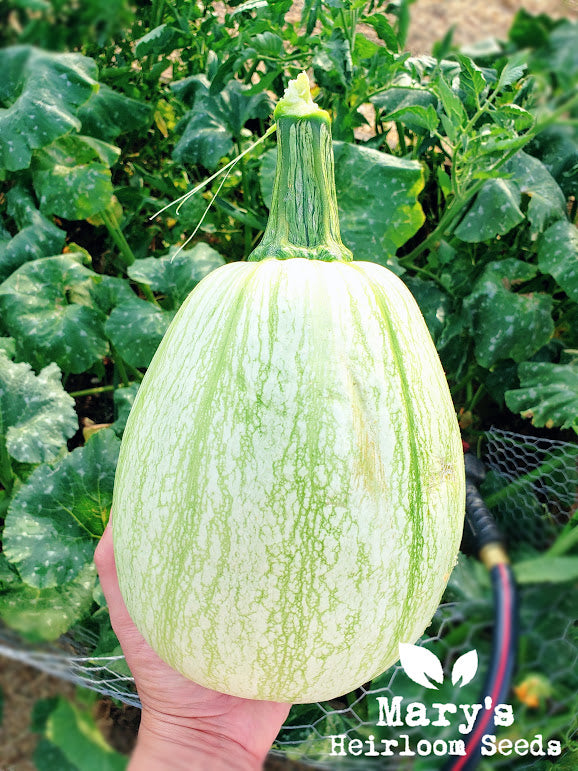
423,666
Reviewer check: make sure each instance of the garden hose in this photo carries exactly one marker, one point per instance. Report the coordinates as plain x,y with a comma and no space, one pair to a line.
483,538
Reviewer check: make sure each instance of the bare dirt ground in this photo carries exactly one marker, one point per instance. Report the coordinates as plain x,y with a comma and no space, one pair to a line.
474,20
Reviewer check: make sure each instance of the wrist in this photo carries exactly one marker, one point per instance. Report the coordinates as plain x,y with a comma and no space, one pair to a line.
170,746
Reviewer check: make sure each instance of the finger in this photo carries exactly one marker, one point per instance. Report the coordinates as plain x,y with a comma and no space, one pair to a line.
105,564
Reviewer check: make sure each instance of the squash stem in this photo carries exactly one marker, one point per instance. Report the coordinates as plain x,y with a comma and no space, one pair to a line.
303,221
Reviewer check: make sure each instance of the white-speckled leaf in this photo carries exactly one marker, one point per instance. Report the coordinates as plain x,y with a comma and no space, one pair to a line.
37,236
50,307
136,328
56,518
174,274
548,394
72,177
558,255
506,324
41,93
547,202
38,415
495,211
44,614
123,401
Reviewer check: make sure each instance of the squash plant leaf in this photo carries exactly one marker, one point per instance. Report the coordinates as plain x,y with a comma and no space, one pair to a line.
136,328
72,177
44,614
108,113
547,202
37,414
8,347
548,394
433,302
546,568
397,98
495,211
75,733
215,121
377,196
558,255
123,401
49,306
506,324
160,40
176,275
40,93
37,236
56,518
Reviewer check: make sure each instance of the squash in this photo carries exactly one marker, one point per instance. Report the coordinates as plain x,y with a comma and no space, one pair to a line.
289,498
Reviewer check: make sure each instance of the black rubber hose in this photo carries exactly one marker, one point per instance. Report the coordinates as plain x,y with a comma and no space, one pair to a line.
481,534
499,675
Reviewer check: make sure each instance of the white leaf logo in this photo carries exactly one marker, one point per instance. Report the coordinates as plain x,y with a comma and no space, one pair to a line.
419,664
465,668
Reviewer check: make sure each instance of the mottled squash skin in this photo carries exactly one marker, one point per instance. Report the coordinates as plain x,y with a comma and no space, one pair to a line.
289,498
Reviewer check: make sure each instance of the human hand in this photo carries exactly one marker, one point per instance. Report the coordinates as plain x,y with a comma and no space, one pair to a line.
183,724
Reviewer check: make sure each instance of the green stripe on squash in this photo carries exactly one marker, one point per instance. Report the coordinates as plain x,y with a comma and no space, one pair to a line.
289,497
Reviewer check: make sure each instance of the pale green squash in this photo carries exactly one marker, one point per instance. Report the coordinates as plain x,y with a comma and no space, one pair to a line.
289,498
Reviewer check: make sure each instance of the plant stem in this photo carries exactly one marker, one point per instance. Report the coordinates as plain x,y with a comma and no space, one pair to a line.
111,222
565,541
6,473
90,391
121,368
456,205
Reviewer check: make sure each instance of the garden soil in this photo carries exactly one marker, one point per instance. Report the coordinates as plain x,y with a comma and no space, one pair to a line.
22,686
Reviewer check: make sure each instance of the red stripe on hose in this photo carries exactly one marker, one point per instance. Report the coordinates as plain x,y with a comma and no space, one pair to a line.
472,743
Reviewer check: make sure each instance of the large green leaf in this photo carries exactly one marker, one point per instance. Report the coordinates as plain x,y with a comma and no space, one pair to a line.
37,236
37,415
557,148
108,113
403,97
177,274
160,40
548,394
44,614
546,568
495,211
506,324
56,518
377,196
40,93
75,733
558,255
50,307
123,401
547,202
136,329
433,303
72,177
210,127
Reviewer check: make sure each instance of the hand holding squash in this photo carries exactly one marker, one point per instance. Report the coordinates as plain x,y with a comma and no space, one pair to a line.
184,725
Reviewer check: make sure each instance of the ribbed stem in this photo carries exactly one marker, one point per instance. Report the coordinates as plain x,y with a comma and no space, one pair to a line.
303,221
